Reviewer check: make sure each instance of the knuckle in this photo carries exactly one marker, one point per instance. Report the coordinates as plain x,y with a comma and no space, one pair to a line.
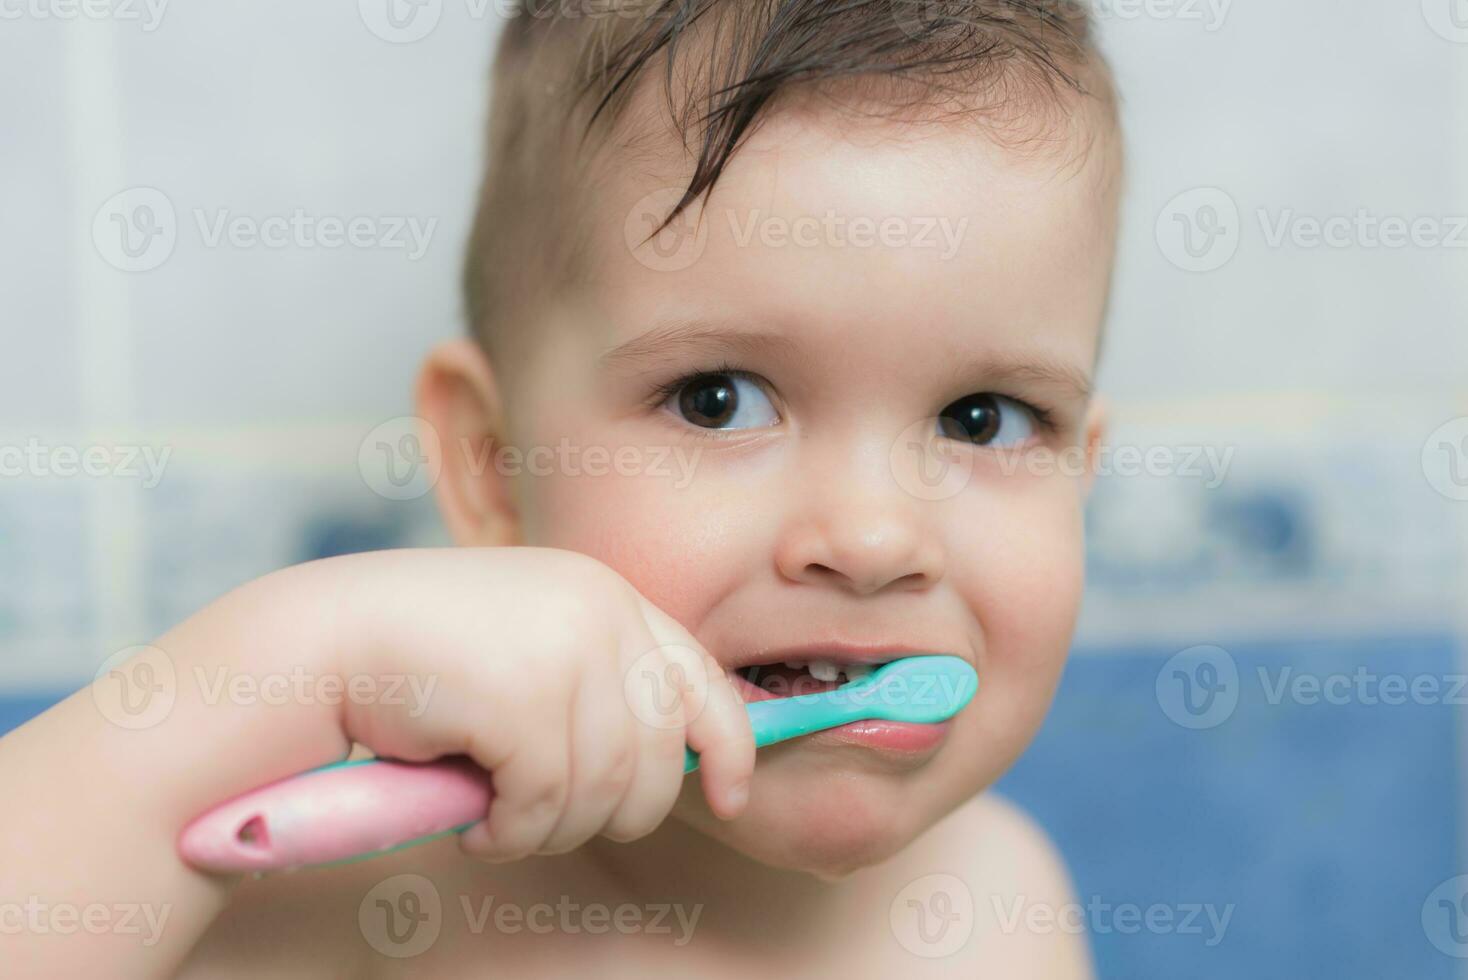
669,748
540,800
617,769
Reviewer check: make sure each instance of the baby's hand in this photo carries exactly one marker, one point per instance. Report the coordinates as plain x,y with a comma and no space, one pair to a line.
552,672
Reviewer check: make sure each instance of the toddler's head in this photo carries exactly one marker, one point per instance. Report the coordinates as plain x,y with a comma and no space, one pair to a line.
790,310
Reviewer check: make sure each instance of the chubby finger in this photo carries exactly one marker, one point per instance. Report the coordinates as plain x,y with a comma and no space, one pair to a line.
603,762
531,786
655,705
718,730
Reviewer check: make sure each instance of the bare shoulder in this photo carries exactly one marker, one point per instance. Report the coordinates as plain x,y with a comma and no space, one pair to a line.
1008,843
1013,887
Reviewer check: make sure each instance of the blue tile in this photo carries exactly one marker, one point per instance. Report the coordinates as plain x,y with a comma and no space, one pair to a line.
16,711
1325,825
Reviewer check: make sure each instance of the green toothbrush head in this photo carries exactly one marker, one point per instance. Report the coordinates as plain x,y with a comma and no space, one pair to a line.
923,690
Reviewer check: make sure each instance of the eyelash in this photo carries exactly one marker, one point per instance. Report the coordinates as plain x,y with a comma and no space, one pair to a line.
667,389
1043,417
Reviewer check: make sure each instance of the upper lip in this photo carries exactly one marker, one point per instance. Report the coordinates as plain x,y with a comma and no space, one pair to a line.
836,652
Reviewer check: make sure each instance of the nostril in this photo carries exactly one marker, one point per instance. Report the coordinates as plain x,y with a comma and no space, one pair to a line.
252,833
913,580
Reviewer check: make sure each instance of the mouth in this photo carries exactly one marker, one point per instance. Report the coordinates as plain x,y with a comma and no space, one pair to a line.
788,679
813,671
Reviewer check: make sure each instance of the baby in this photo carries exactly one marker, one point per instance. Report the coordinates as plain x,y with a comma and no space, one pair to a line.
814,289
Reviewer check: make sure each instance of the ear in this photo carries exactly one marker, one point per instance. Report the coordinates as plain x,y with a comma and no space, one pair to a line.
1097,415
458,397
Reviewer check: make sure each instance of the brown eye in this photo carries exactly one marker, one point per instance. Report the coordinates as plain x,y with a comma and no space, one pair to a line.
709,401
724,401
987,420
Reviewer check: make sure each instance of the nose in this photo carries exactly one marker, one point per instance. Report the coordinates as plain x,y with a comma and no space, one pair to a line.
862,543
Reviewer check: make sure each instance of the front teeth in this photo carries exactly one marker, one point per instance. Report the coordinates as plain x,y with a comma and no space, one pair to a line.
829,671
824,670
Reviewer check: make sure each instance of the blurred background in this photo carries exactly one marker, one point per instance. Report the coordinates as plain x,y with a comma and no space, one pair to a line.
1263,715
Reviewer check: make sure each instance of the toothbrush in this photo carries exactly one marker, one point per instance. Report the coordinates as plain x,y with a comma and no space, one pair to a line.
358,809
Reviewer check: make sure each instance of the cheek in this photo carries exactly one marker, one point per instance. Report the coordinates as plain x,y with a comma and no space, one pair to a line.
682,545
1023,583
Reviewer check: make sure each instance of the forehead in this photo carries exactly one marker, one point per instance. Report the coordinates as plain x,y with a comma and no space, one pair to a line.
830,223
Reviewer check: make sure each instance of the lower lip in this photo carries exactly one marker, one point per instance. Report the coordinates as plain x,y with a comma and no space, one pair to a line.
896,738
893,737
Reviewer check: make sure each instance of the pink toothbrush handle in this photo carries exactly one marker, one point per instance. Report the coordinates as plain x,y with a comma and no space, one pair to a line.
338,812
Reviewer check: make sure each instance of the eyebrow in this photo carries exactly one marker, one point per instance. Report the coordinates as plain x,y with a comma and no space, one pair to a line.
692,338
1025,368
686,338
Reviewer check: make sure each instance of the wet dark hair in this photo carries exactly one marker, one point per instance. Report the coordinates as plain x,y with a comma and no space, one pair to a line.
566,71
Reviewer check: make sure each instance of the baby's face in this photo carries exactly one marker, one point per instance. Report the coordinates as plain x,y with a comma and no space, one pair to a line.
849,422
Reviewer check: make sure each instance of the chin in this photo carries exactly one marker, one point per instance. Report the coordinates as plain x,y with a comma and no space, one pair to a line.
829,827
